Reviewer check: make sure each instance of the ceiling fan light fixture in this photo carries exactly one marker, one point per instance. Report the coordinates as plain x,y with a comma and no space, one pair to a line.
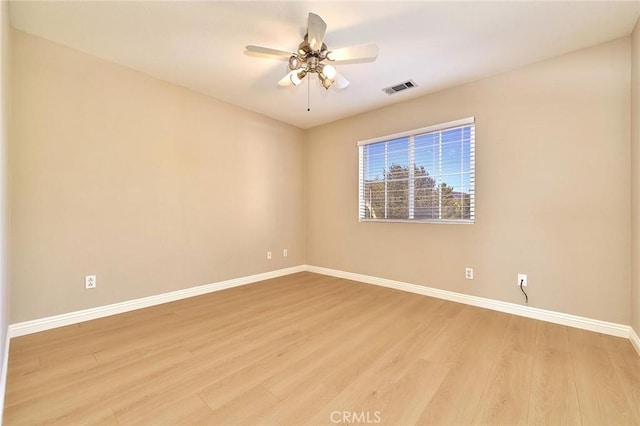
294,62
296,77
329,71
326,82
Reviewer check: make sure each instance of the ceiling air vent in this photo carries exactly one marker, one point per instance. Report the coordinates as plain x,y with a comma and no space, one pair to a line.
399,87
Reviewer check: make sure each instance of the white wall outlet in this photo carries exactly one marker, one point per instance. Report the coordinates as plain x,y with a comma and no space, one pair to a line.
89,282
268,255
285,253
522,278
468,273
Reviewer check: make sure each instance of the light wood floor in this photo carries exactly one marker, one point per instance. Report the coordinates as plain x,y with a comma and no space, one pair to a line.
311,349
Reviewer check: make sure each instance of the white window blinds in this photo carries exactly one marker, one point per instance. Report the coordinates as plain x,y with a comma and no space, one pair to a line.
422,175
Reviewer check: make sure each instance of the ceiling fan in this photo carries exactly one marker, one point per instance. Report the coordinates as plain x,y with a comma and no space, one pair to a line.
311,54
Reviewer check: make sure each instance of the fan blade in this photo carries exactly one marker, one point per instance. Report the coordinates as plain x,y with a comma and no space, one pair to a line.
268,51
316,29
363,51
341,82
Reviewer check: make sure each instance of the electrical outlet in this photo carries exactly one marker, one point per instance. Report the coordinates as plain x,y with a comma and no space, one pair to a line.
468,273
522,278
285,253
89,282
268,255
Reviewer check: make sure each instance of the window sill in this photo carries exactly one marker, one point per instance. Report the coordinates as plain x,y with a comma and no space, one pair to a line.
443,221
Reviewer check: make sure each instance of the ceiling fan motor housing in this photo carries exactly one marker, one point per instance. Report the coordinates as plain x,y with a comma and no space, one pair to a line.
307,55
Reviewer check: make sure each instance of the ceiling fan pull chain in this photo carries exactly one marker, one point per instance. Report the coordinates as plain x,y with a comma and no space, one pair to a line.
308,93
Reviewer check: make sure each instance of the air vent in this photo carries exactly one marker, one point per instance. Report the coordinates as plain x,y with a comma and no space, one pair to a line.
399,87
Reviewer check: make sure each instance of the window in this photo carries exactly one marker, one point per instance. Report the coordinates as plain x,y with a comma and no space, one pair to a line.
423,175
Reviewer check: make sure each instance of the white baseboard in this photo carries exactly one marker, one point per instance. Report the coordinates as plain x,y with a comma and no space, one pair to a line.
604,327
635,340
42,324
3,375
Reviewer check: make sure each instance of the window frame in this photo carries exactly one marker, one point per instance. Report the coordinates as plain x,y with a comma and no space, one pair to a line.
469,121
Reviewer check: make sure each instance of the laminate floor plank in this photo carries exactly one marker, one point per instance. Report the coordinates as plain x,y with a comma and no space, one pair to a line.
86,389
626,365
400,381
600,394
230,365
178,410
506,397
294,366
553,399
353,356
469,349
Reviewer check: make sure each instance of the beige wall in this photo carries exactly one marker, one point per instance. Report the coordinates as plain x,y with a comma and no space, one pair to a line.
154,188
635,179
553,182
150,186
5,102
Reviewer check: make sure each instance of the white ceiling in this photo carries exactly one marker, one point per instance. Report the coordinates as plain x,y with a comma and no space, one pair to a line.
200,44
